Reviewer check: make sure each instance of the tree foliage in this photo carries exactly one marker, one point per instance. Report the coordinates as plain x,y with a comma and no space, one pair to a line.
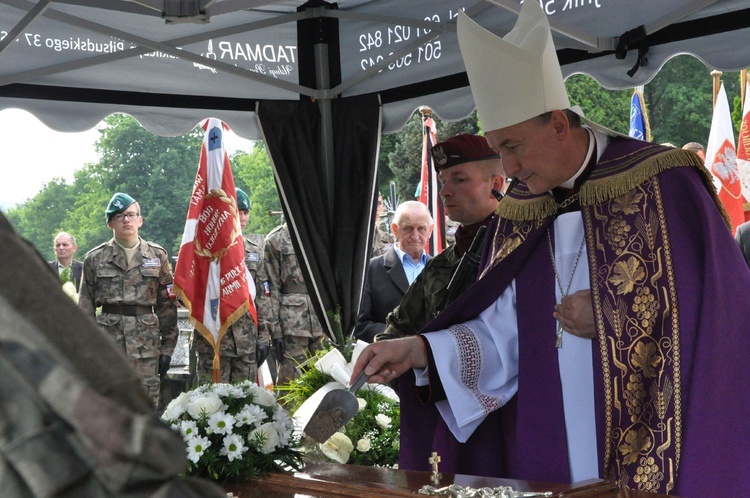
680,101
159,172
254,175
44,215
403,151
610,108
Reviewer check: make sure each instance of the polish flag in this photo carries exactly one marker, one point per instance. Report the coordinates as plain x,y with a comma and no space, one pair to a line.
721,160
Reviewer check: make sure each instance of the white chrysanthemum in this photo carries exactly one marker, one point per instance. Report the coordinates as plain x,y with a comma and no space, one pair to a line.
263,397
196,446
188,428
284,437
282,416
363,445
266,436
251,415
176,407
221,389
201,390
284,425
220,423
235,392
338,447
206,405
233,447
362,403
383,421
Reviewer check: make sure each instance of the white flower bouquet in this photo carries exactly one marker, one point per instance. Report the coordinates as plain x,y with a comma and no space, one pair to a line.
370,438
234,432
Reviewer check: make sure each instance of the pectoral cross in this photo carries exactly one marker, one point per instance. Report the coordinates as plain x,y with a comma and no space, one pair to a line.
434,460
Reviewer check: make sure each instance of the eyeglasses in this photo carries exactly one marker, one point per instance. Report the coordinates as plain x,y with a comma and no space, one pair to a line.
129,216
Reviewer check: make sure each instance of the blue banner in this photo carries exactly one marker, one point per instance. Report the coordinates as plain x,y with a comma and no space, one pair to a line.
637,119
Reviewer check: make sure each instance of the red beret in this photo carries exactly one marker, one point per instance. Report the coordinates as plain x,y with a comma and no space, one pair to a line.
462,149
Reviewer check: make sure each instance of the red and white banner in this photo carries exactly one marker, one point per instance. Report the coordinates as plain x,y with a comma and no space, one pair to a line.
210,276
743,147
721,160
429,193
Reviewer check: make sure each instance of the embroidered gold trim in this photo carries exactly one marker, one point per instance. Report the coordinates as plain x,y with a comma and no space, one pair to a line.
635,297
606,184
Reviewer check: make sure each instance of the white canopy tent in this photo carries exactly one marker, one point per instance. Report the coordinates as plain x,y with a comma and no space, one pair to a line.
169,63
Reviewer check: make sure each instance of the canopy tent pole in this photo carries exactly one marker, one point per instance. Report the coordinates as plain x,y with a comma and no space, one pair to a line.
323,82
324,153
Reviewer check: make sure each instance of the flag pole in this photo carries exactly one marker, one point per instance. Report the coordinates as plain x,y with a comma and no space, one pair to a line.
717,84
430,190
743,83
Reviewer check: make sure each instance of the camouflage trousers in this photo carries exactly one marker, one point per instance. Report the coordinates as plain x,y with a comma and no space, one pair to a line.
233,368
297,350
148,369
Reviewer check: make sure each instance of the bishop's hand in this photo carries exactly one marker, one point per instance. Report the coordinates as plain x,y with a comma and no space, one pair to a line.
386,360
575,314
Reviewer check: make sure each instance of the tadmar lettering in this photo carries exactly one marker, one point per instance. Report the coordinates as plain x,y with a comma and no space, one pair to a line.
257,52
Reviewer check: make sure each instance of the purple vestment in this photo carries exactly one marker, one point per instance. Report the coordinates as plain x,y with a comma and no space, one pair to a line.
670,296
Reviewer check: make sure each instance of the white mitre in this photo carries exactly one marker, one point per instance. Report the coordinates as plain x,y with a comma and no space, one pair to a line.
516,77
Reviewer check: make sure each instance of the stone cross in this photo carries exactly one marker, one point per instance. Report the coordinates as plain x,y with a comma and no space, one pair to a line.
434,460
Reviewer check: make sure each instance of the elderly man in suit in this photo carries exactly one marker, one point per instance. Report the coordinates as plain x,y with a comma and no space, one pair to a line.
389,275
69,269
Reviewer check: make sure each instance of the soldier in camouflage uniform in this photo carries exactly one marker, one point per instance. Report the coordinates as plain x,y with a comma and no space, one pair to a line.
245,346
74,419
131,280
294,328
468,171
382,240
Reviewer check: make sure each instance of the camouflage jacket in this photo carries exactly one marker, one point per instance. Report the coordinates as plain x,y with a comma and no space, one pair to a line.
420,303
147,281
381,241
244,335
75,420
292,311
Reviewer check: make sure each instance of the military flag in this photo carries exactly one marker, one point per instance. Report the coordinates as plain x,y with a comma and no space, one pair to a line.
721,160
743,146
639,127
211,278
429,192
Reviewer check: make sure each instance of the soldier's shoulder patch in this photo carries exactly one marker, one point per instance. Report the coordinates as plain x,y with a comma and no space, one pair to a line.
255,239
92,252
155,245
157,251
252,256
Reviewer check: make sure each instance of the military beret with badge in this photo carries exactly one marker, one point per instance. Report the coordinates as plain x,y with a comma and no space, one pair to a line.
243,201
117,204
461,149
